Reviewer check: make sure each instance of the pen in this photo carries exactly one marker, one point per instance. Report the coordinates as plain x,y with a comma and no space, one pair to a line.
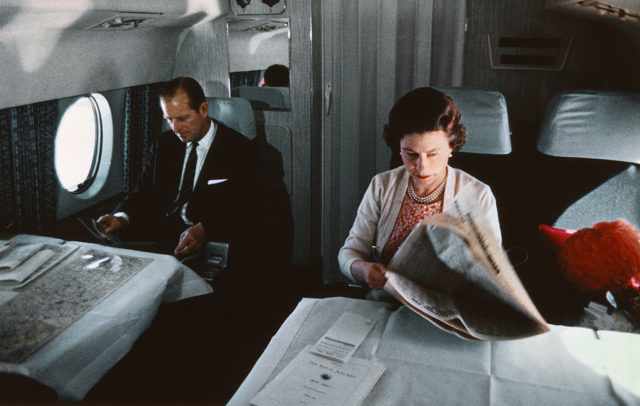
374,254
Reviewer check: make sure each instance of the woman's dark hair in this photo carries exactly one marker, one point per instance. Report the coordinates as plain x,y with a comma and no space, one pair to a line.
190,86
424,110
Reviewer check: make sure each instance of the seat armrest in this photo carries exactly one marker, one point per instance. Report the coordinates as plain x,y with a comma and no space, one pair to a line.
215,259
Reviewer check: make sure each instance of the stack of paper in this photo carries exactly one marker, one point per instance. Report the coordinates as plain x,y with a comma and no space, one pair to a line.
22,263
326,374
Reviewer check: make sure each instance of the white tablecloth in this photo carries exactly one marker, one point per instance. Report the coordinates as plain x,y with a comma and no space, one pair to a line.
426,366
73,361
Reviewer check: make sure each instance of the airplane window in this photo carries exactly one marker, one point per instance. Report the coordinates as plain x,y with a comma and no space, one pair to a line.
78,145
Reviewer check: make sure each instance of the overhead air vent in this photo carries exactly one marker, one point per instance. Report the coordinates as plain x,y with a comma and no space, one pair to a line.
528,53
249,7
124,21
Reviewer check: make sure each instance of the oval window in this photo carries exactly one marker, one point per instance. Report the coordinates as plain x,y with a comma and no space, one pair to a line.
78,144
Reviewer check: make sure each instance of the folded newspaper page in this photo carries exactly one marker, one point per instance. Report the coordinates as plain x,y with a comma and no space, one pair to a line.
20,264
452,271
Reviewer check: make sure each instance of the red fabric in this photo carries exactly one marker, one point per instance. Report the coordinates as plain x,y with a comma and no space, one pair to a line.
604,257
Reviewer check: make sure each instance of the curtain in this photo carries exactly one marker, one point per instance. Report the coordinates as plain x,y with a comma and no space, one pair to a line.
28,184
142,120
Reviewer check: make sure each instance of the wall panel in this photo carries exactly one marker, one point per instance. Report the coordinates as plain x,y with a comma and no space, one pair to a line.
596,60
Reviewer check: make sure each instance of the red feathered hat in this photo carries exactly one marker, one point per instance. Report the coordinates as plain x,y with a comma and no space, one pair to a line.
604,257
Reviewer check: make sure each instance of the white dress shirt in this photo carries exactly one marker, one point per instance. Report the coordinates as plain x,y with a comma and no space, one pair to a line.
202,150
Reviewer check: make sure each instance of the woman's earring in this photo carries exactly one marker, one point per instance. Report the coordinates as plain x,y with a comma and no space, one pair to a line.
450,155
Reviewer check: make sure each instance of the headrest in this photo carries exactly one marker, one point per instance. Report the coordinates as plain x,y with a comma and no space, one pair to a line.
264,97
235,113
590,124
484,114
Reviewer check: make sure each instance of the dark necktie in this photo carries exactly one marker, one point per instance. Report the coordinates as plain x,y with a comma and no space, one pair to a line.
187,180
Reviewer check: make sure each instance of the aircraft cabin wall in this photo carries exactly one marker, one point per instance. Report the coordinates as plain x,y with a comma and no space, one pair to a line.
55,49
59,53
346,69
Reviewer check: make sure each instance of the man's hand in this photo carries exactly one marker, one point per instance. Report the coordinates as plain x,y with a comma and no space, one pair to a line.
191,240
111,224
373,273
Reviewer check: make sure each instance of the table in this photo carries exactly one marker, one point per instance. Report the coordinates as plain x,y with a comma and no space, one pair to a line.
427,366
76,358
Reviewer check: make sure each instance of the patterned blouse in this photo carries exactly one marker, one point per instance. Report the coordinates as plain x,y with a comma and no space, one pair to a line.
411,214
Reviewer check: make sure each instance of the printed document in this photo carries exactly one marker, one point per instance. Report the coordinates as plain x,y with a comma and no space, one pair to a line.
344,337
312,380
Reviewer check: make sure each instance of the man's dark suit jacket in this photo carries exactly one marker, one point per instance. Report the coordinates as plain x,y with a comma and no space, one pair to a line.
225,208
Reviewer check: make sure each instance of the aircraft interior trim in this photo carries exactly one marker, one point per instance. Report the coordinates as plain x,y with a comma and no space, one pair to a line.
203,201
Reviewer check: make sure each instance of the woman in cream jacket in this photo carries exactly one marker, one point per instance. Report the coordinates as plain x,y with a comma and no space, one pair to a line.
424,125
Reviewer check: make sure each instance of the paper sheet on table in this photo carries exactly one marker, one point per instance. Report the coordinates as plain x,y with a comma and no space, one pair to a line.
28,267
317,381
344,337
45,257
12,255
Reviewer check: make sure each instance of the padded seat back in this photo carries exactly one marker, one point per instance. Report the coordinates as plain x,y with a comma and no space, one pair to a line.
275,204
585,172
235,113
486,153
591,146
484,114
265,97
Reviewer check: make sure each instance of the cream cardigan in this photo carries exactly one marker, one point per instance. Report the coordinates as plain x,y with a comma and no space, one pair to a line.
381,204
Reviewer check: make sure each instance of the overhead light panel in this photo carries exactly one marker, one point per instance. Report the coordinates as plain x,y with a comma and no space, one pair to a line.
124,21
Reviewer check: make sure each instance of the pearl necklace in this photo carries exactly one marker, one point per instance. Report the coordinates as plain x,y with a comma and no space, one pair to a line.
430,198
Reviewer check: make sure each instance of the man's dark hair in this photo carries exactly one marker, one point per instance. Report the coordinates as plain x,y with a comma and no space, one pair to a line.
188,85
276,75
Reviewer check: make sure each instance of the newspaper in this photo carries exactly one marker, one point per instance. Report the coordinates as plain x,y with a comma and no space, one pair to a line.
453,272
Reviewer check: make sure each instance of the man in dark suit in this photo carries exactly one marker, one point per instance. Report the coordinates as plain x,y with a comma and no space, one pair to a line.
234,199
199,182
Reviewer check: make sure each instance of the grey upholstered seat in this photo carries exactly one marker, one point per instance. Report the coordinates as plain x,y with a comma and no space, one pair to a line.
595,139
592,124
586,172
275,206
234,112
486,153
264,97
484,114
